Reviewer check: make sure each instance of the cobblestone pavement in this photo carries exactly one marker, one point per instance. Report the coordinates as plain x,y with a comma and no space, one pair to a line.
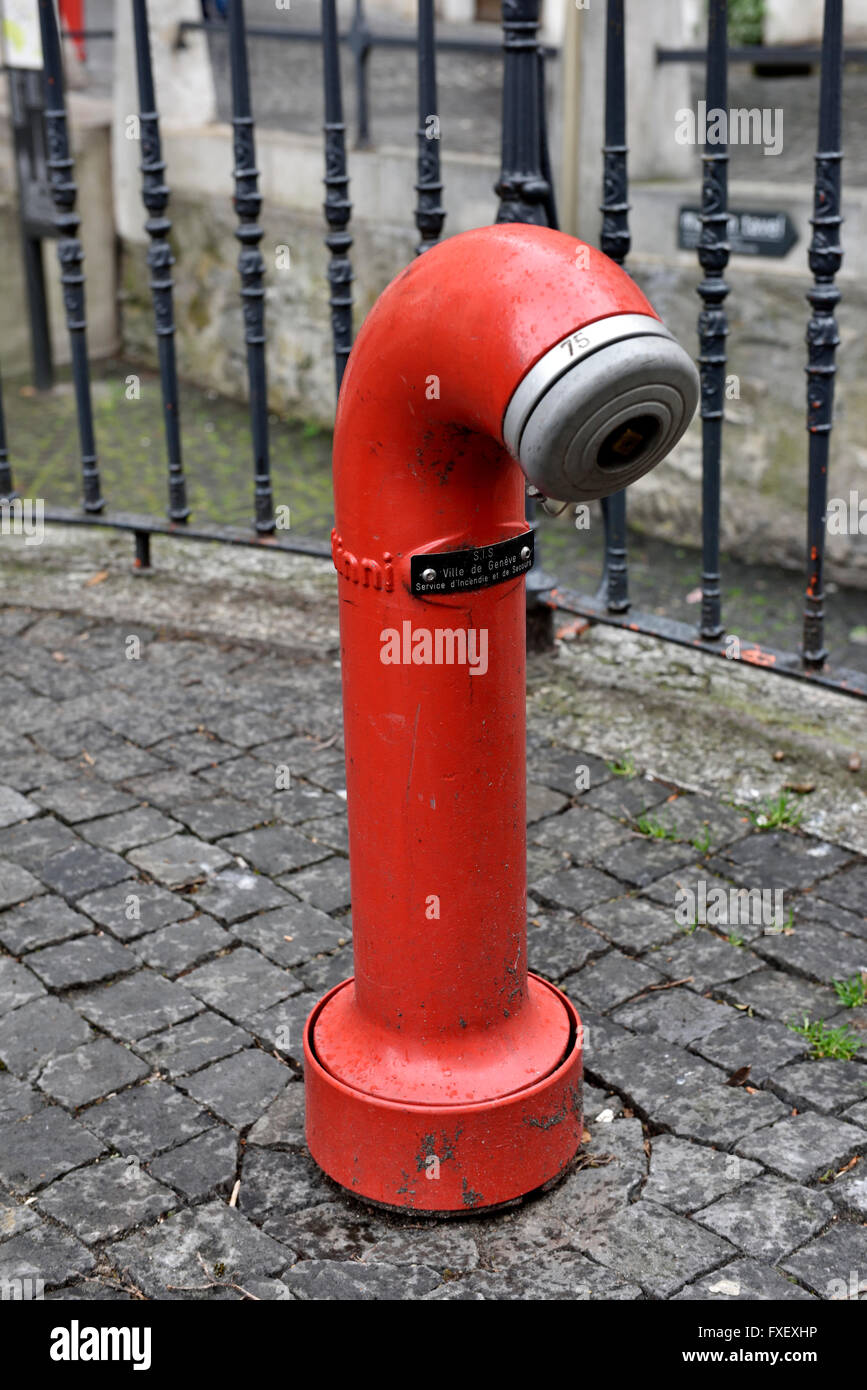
168,917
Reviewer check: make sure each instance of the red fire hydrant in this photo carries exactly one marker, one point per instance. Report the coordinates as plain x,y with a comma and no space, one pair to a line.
444,1077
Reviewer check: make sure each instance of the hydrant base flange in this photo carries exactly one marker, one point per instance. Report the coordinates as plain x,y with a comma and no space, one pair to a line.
445,1158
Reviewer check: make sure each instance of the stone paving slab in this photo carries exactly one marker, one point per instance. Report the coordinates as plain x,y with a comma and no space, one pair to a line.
168,918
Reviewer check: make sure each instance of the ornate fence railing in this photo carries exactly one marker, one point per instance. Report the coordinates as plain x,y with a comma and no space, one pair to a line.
526,194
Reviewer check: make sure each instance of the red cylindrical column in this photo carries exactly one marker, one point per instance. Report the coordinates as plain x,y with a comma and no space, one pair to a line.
444,1076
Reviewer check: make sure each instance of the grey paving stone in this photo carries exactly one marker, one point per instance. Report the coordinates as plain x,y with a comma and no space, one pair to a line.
581,832
25,769
192,751
16,884
15,1217
245,728
147,1119
281,1027
277,1183
633,924
782,997
323,972
857,1114
180,860
557,943
37,1033
481,1286
543,862
40,922
282,1123
669,890
555,766
292,934
29,845
542,802
804,1146
40,1147
824,1084
765,1047
140,1004
181,945
809,908
685,1177
89,1072
241,984
83,798
611,980
680,1092
651,1246
847,889
768,1217
275,849
642,859
349,1281
204,1165
576,889
325,885
779,859
819,952
163,1257
220,815
169,790
14,807
45,1253
188,1046
340,1231
439,1247
707,824
237,893
624,798
564,1275
106,1200
132,909
678,1015
83,961
849,1192
718,1116
82,869
129,829
94,1291
834,1265
118,761
330,833
742,1281
709,960
239,1088
17,985
304,805
17,1099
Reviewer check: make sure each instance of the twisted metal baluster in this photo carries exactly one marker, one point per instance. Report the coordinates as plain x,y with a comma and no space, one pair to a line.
61,170
337,207
251,265
430,213
155,196
825,257
7,491
713,254
615,242
522,188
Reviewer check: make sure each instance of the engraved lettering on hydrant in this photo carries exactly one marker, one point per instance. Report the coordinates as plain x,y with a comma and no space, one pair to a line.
370,574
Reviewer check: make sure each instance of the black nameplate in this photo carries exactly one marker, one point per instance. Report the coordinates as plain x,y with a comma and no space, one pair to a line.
460,571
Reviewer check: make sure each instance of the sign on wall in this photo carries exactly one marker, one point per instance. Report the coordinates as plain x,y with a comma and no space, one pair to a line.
759,233
22,45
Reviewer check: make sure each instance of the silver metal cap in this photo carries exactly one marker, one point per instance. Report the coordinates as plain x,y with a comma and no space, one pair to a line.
601,408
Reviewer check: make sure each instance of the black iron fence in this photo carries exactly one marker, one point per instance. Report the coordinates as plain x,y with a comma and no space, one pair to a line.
526,194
